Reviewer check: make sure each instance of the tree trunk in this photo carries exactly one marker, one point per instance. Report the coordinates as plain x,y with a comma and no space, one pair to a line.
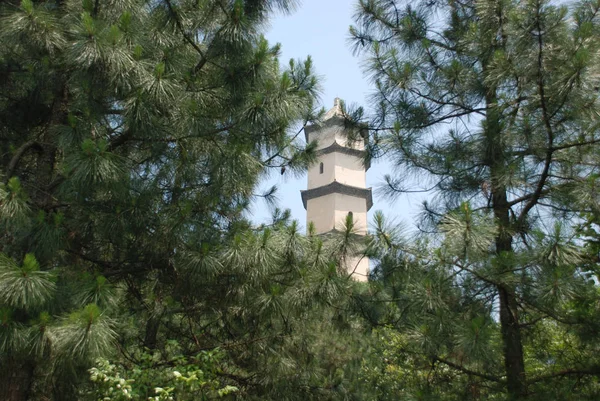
46,168
152,326
17,377
514,363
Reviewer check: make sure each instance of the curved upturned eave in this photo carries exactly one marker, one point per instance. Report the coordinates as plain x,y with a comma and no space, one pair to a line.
336,147
338,188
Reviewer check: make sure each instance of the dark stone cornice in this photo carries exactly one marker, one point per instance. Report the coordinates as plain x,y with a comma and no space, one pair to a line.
336,147
338,188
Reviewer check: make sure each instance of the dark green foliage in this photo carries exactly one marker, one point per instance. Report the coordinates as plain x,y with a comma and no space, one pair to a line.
494,105
133,135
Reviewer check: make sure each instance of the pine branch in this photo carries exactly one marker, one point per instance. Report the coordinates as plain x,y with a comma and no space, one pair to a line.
12,165
575,144
443,102
285,146
528,197
127,136
119,140
187,37
467,371
549,131
592,371
101,263
457,263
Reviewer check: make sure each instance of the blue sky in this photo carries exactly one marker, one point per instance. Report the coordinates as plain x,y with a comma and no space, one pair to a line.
320,29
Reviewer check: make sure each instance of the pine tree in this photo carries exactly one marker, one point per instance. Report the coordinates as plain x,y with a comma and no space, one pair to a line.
263,316
132,138
496,104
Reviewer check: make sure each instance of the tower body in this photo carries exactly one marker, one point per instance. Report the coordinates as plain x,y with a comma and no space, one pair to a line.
337,183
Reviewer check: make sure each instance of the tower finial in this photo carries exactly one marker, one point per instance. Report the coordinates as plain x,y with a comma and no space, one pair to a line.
337,103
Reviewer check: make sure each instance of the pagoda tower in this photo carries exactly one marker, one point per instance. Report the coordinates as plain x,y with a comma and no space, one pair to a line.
337,182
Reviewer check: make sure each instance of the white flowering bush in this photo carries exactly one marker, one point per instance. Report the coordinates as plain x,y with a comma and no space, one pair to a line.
186,379
108,383
189,383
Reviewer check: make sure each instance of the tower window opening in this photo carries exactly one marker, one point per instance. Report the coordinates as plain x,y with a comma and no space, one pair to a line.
321,168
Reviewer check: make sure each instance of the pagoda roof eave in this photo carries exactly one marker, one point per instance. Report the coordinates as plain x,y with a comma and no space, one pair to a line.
338,187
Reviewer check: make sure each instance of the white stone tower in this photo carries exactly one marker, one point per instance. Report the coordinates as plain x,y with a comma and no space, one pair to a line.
337,182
